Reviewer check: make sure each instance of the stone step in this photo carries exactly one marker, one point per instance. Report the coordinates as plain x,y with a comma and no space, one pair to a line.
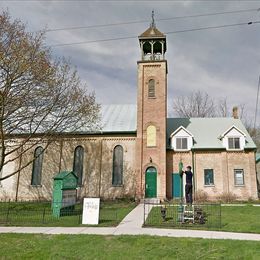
151,201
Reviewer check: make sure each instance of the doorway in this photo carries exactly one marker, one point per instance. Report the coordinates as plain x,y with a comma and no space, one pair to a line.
151,182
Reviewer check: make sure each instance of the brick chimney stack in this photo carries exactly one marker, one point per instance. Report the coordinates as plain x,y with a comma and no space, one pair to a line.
235,112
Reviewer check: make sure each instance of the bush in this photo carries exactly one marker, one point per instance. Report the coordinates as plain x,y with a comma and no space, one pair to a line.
201,196
227,197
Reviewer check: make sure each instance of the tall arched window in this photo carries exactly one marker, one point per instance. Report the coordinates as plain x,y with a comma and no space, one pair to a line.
151,88
78,163
117,175
37,166
151,136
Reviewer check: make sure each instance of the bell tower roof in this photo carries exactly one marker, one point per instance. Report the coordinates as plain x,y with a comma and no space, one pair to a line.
152,32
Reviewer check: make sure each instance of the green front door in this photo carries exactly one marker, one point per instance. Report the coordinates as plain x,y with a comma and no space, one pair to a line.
151,183
176,185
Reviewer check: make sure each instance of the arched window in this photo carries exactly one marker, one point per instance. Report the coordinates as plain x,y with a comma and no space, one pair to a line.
37,166
151,136
117,175
151,88
78,163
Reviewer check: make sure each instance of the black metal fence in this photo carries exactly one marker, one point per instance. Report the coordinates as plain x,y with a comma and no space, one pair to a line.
182,216
35,213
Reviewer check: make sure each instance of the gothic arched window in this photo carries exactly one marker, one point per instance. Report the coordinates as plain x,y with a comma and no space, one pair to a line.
151,136
117,174
37,166
151,88
78,163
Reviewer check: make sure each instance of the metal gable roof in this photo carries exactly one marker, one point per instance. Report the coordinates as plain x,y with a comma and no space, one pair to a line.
118,118
207,131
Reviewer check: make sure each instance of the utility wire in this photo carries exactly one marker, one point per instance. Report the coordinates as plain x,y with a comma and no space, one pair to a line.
146,21
173,32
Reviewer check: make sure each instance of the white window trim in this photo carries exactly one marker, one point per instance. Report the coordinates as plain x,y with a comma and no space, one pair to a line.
238,134
239,185
234,149
186,134
181,149
209,185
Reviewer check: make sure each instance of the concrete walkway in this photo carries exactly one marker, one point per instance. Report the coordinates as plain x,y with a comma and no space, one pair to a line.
132,225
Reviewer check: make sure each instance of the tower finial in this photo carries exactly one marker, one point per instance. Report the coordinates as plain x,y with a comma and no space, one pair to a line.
153,23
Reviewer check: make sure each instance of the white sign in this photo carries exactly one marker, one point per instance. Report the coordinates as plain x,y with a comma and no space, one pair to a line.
90,211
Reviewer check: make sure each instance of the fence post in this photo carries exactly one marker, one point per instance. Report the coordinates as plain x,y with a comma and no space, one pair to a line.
116,216
220,216
80,215
8,211
144,214
43,215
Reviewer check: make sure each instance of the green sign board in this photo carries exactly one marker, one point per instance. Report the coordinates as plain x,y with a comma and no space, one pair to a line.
64,192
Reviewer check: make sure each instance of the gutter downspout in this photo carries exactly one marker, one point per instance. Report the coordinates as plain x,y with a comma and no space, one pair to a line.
100,167
19,173
227,173
193,167
61,149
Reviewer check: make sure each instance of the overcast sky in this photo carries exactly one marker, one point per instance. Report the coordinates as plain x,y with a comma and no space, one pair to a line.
223,62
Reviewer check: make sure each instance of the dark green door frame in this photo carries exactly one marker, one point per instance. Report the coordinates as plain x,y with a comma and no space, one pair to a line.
177,186
151,182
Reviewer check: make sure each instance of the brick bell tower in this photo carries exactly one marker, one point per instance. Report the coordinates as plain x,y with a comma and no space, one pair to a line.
151,115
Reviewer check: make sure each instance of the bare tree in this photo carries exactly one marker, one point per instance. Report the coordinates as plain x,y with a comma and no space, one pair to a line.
197,104
39,97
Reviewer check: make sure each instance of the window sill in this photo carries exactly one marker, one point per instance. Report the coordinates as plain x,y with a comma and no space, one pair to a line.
210,185
235,150
119,185
182,150
151,146
241,185
151,97
35,186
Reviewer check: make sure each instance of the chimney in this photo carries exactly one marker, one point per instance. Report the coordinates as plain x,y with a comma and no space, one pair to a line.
235,112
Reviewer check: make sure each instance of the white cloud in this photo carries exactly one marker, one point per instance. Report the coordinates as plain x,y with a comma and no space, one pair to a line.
223,62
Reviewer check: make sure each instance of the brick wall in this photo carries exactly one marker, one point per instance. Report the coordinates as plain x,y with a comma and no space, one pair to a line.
223,164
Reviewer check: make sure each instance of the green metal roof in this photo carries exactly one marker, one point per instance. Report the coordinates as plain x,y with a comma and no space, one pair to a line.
257,157
64,174
207,131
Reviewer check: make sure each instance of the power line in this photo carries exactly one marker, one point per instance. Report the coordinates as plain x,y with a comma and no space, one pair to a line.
61,1
173,32
146,21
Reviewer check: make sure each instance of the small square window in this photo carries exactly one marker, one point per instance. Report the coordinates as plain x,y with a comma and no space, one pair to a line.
208,177
239,177
181,143
233,143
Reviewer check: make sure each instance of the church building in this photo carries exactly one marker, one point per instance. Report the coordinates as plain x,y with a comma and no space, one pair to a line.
137,152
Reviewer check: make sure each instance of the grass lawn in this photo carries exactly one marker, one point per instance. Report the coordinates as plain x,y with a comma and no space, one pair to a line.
40,214
240,219
31,246
233,219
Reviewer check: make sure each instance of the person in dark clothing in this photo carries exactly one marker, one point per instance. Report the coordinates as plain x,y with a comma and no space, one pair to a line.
188,186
